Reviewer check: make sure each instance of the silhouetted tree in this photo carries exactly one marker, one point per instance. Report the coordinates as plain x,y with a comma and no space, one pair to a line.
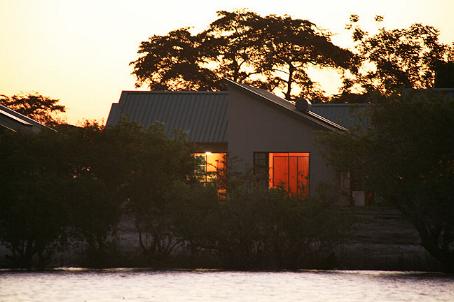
155,163
269,52
38,107
394,59
407,158
290,47
231,45
173,62
98,175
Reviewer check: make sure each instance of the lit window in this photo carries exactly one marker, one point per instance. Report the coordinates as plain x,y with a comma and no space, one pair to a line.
286,170
211,169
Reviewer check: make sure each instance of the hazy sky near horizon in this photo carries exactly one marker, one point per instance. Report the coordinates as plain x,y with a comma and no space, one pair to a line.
79,50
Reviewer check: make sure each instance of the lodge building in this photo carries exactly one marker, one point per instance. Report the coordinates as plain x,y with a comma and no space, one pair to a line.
255,129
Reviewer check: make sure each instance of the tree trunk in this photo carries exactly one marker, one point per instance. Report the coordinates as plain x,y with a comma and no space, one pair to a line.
288,93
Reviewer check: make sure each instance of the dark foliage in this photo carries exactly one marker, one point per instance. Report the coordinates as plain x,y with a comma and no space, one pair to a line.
289,47
407,158
195,209
395,59
173,62
275,53
272,52
156,164
71,189
95,197
32,205
270,230
75,185
258,229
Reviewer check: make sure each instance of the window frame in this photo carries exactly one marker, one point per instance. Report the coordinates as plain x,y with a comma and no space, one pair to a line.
268,174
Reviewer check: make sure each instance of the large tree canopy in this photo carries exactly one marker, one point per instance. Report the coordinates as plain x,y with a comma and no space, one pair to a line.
272,52
276,52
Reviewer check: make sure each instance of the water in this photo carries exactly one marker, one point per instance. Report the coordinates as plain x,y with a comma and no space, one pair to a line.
308,286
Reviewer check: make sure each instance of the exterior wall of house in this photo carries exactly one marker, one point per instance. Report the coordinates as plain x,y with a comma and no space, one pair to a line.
256,125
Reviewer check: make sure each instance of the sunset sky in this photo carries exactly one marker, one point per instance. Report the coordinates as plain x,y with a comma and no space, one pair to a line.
79,50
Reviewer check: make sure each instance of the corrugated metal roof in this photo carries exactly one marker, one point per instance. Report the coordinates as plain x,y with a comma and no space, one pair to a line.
14,118
201,115
20,117
18,120
284,104
348,115
114,114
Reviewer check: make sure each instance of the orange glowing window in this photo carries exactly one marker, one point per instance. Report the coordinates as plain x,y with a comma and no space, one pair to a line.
212,169
289,171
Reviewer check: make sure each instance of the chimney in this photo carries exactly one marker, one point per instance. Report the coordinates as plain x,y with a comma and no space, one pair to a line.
303,105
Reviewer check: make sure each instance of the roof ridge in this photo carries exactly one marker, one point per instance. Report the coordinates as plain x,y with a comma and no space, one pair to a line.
340,104
172,92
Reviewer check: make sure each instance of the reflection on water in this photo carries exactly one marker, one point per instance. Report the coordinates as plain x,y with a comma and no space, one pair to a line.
201,285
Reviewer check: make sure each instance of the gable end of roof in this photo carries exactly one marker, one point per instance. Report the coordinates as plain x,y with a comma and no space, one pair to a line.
287,106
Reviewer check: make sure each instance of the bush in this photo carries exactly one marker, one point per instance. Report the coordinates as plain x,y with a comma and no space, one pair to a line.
406,156
33,213
77,184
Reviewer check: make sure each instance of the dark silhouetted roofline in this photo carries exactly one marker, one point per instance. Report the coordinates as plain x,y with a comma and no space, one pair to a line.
172,92
20,118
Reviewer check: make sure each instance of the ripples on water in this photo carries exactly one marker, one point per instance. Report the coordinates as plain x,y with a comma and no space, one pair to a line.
138,285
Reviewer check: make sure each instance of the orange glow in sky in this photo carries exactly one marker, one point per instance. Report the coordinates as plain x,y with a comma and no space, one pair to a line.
79,50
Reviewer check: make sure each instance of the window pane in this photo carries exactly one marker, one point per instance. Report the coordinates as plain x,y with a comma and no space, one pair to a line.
280,172
303,176
211,168
290,171
293,174
215,166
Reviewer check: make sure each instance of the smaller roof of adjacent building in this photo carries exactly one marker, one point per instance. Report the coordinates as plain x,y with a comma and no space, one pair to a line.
350,116
14,121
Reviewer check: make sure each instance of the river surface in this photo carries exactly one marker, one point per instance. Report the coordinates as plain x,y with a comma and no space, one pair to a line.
139,285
